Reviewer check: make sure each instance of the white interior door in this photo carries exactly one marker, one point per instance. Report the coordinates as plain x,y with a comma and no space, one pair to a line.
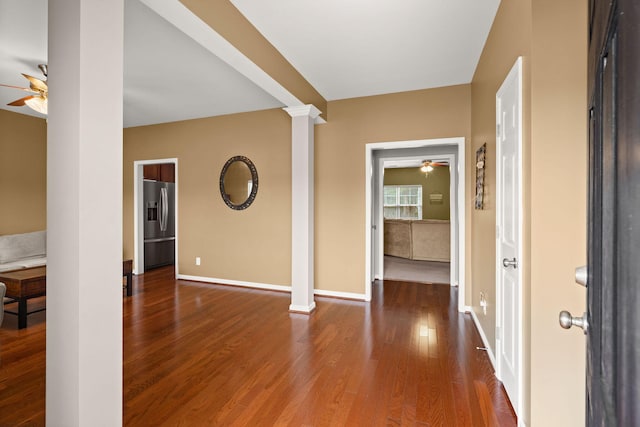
509,232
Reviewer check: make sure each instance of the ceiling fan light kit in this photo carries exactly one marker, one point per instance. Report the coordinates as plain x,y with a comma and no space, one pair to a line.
428,166
39,90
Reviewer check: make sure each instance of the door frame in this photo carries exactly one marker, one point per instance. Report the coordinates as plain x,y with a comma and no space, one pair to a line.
374,170
138,212
514,73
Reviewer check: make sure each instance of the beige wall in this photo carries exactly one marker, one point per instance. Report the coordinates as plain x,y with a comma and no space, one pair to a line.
255,245
558,208
23,173
252,245
340,168
510,38
437,181
551,36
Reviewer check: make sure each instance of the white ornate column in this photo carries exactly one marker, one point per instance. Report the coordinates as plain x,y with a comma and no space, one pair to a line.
302,194
84,213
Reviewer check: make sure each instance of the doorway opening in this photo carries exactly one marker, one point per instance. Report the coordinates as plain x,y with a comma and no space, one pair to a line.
162,213
416,219
451,150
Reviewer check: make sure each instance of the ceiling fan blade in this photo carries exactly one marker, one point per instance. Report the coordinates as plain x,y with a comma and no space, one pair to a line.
37,103
36,84
21,102
26,89
38,87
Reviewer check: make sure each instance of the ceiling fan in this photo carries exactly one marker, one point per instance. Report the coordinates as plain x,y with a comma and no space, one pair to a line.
39,90
428,165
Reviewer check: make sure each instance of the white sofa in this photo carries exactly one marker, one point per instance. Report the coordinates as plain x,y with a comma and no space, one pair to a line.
23,250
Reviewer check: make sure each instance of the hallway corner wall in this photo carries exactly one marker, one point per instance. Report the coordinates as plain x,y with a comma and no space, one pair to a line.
510,38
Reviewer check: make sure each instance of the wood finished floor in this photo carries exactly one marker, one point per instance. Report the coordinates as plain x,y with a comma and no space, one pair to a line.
200,355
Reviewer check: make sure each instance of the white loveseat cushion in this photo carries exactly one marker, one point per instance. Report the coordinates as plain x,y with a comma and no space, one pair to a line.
14,247
34,262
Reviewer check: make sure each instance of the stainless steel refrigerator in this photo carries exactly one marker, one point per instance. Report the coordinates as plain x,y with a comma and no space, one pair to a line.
159,224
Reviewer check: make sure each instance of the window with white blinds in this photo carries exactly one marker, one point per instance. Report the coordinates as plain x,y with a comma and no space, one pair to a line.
403,202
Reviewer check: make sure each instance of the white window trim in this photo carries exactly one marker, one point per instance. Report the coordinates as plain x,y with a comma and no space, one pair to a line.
398,203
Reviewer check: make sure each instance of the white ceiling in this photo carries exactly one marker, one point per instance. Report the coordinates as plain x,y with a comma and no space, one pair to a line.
169,77
354,48
23,45
343,48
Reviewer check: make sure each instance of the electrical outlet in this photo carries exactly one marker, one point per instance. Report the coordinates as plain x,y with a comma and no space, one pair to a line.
483,303
197,260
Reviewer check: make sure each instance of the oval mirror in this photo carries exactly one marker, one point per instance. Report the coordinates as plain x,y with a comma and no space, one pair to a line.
238,182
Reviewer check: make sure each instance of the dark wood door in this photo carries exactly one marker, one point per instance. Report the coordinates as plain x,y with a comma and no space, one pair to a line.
613,292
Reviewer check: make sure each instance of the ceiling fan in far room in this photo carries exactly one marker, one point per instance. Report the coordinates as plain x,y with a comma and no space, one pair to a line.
39,90
428,165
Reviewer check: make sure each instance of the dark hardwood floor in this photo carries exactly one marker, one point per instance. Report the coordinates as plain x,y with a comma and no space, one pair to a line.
199,354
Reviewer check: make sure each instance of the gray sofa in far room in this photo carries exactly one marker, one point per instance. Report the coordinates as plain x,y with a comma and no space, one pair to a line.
23,250
425,240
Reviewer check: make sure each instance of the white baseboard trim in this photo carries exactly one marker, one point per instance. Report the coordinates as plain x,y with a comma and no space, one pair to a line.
304,309
342,295
254,285
269,287
476,321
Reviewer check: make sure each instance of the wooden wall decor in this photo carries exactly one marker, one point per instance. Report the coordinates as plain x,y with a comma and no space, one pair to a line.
480,161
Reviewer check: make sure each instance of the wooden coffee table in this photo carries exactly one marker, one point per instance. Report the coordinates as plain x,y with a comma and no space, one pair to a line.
22,285
30,283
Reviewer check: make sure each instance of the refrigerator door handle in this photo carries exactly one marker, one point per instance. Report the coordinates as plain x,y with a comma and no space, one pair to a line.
161,210
164,209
